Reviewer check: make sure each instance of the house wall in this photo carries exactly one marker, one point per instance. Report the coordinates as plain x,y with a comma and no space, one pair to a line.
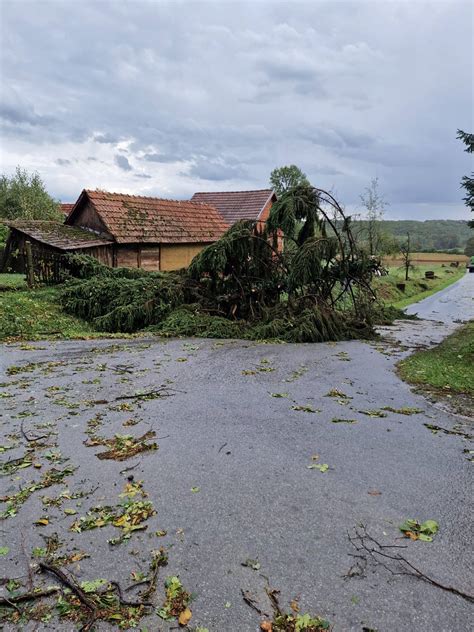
86,217
146,256
104,254
176,256
263,218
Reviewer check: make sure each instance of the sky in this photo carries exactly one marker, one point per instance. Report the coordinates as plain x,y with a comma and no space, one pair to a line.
169,98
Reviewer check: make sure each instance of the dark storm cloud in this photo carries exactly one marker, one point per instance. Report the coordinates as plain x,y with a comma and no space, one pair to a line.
122,163
208,170
224,92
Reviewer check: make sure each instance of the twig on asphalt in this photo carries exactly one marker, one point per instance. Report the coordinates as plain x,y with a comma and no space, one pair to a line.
28,596
367,545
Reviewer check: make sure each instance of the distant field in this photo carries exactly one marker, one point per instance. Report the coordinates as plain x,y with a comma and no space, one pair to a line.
417,287
427,257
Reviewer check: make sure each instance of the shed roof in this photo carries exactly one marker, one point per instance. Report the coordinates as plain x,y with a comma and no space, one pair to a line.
65,209
138,219
236,205
58,235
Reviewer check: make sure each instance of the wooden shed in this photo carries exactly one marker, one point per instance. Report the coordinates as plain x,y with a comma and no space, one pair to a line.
128,231
50,237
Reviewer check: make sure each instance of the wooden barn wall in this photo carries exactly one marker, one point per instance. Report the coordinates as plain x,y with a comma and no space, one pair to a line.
149,257
176,256
104,254
88,218
146,256
126,256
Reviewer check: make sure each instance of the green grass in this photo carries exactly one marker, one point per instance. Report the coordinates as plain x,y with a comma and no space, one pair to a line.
12,282
36,314
417,287
448,367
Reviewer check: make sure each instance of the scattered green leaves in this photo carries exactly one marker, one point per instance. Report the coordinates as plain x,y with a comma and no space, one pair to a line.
415,531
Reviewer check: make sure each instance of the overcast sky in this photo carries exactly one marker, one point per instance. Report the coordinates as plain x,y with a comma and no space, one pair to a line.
169,98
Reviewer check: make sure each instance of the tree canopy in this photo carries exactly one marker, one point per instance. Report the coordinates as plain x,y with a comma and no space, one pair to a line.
23,196
469,249
244,285
468,181
283,179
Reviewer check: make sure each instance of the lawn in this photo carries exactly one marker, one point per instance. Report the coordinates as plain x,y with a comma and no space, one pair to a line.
449,367
417,287
12,282
36,314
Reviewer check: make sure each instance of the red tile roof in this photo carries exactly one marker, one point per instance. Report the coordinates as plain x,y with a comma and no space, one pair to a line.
137,219
58,235
235,205
66,209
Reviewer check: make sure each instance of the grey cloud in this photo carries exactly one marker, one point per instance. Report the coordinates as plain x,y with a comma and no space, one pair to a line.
122,163
62,162
206,170
106,139
331,87
145,176
161,158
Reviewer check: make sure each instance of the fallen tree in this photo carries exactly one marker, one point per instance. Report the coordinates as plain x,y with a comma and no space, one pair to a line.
316,287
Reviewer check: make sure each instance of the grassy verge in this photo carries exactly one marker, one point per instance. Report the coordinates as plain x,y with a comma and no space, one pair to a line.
417,287
12,282
36,315
447,369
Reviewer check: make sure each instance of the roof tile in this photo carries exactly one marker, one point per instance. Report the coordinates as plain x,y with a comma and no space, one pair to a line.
58,235
236,205
138,219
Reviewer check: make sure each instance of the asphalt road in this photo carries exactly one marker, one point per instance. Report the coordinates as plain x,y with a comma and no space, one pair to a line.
246,454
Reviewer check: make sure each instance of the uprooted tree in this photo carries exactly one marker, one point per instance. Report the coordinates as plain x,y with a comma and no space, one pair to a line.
315,288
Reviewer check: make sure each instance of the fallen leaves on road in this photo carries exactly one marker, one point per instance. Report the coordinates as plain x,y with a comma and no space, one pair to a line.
405,410
123,447
128,516
305,409
322,467
176,602
253,564
415,531
335,392
373,413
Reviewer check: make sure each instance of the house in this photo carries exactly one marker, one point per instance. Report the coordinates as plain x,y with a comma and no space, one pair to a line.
237,205
65,209
126,231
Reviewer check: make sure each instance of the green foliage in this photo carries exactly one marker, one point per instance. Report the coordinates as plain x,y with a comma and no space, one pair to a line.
415,531
189,321
467,182
283,179
86,267
447,367
23,196
373,235
469,249
121,303
242,285
427,236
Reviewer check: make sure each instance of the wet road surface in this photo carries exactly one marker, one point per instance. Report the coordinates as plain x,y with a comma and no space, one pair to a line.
238,430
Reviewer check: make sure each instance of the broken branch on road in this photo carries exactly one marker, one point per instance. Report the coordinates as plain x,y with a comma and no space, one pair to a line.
369,549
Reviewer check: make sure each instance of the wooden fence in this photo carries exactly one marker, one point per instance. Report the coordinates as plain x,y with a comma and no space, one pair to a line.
43,266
